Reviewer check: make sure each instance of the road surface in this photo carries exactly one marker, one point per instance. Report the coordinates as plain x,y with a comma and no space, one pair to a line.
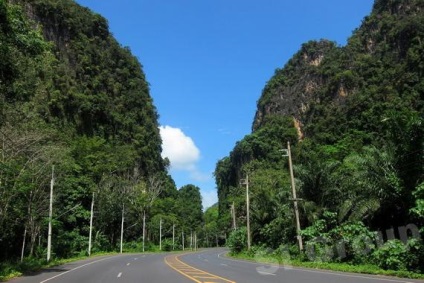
210,265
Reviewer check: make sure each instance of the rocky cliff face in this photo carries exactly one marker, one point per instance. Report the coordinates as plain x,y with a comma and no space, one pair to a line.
333,102
293,88
84,82
322,75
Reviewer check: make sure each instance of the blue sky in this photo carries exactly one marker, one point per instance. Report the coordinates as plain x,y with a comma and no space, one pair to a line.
207,62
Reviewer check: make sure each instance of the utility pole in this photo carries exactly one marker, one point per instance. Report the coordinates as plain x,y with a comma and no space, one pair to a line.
182,238
173,236
295,199
91,225
246,182
160,234
144,228
233,214
49,235
191,239
195,240
122,227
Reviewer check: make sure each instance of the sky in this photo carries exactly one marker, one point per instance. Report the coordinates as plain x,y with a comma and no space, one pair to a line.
207,62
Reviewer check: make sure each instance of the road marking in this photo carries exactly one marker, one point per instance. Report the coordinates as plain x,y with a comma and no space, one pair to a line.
73,269
128,264
265,273
120,274
193,273
299,269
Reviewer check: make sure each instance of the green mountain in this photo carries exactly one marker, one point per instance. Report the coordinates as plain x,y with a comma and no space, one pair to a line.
355,117
72,97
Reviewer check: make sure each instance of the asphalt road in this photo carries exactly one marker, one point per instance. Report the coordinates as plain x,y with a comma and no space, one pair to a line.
209,265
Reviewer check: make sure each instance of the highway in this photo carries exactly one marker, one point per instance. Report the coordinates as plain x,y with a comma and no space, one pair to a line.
210,265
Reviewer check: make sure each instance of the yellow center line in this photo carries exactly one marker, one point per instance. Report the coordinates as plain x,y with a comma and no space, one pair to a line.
193,273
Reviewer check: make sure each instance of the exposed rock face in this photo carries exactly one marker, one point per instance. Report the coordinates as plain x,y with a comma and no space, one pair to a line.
291,90
323,75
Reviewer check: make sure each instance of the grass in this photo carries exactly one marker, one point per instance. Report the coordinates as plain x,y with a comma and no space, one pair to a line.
343,267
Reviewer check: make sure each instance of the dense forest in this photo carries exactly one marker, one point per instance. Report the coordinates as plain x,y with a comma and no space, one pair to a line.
76,114
354,115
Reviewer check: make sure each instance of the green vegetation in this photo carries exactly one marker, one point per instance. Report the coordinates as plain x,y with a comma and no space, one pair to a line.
264,256
72,98
354,117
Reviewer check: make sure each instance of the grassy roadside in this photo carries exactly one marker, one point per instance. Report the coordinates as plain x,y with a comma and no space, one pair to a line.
9,270
343,267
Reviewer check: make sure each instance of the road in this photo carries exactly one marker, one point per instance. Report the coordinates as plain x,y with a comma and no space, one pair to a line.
209,265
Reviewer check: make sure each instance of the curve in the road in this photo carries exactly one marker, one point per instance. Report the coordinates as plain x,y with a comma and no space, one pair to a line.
192,273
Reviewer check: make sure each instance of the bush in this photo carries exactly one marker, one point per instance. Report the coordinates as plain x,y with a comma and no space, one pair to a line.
392,255
237,241
167,245
416,255
397,255
356,241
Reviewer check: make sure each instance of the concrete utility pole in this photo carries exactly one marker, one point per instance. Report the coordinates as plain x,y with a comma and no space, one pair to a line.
160,234
191,239
233,214
295,199
246,182
122,227
49,235
91,225
182,238
144,228
173,236
195,240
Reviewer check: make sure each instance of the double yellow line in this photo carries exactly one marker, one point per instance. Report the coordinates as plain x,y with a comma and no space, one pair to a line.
194,274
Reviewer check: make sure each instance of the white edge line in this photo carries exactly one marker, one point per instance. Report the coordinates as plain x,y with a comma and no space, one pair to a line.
319,271
73,269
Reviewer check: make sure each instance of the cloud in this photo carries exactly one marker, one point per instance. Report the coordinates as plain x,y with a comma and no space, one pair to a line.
179,148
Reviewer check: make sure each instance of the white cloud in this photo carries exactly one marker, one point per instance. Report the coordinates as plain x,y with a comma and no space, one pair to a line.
183,155
179,148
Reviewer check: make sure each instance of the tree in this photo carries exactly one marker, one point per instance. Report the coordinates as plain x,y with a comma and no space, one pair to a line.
189,206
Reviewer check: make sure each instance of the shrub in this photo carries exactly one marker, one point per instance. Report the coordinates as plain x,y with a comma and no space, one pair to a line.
355,242
392,255
416,255
167,245
237,241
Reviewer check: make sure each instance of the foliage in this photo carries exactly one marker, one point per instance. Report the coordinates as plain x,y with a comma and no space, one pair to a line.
73,98
167,245
237,241
392,255
335,266
419,203
354,117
